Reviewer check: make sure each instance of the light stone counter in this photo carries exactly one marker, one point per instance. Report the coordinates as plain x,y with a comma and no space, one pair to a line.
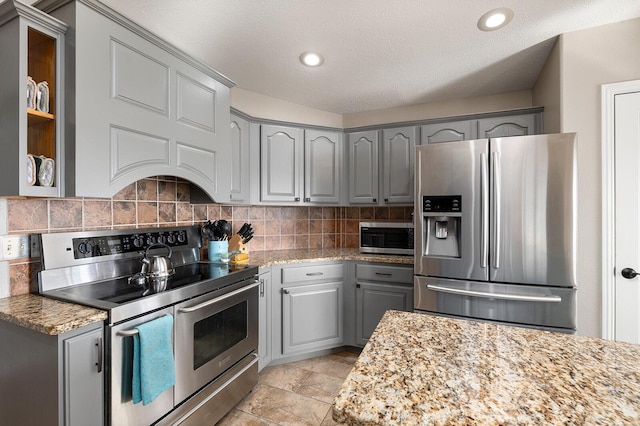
47,316
284,257
50,316
426,370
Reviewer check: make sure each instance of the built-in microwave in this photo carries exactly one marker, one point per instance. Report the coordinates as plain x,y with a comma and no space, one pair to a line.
386,238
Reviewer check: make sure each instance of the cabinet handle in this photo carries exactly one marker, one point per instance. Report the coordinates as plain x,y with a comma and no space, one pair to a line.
286,291
383,274
314,274
386,200
375,200
357,285
261,287
296,199
308,200
99,347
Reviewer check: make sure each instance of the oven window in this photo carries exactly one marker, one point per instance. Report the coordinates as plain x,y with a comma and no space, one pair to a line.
215,334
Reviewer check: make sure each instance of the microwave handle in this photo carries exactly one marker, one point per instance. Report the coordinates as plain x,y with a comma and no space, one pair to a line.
217,299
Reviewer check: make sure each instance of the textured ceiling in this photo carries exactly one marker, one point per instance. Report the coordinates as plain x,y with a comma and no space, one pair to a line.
378,53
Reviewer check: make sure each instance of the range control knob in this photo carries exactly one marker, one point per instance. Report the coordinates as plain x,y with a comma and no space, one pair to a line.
182,237
151,240
162,239
85,247
171,238
137,241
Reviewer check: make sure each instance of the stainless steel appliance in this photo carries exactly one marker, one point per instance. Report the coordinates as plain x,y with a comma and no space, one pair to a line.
495,230
214,306
386,238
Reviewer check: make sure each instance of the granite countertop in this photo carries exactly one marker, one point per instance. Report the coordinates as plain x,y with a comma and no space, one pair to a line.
283,257
47,316
426,370
54,317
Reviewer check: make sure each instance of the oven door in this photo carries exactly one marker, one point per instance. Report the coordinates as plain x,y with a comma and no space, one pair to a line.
122,409
212,333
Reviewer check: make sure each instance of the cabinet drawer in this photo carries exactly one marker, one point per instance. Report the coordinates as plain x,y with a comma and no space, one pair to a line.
312,273
396,274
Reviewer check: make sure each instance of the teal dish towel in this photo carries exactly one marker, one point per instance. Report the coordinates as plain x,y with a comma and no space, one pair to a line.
153,364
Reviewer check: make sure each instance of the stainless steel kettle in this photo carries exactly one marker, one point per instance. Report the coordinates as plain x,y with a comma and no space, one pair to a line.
156,271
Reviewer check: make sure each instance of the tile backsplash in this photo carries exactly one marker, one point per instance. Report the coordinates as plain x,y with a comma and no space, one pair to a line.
164,201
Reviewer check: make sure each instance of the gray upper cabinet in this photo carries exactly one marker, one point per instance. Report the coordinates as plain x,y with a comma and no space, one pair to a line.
515,125
322,164
449,132
281,151
363,167
299,165
240,159
138,107
397,164
31,54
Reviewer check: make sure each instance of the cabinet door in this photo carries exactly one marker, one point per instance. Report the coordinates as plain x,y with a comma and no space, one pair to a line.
264,320
449,132
363,167
515,125
280,162
311,317
398,147
240,168
322,166
83,379
373,300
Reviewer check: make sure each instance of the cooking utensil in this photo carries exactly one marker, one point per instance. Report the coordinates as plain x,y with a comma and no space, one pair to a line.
157,270
225,228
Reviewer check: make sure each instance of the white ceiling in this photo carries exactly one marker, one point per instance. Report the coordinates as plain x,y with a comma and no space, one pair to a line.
378,53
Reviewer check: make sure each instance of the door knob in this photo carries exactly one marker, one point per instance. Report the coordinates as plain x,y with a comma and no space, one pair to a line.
629,273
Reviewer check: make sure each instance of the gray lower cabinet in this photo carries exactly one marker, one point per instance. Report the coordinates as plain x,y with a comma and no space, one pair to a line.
449,132
240,160
137,107
308,315
51,380
380,288
264,318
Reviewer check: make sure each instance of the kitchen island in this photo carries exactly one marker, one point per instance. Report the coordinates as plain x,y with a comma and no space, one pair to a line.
426,370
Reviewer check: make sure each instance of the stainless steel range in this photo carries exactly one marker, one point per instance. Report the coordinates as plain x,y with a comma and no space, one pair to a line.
214,308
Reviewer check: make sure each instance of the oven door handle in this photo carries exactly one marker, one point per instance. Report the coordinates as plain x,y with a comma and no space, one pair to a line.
217,299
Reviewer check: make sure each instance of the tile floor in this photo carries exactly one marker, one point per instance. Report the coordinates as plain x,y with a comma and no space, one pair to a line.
297,393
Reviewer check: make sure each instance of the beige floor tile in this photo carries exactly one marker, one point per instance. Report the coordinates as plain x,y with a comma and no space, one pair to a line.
328,419
240,418
284,377
320,386
283,407
329,365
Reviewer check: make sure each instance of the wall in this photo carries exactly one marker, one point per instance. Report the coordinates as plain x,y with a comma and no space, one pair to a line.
164,201
546,91
588,59
500,102
261,106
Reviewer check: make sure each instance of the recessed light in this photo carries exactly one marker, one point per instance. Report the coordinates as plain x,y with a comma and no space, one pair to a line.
495,19
311,59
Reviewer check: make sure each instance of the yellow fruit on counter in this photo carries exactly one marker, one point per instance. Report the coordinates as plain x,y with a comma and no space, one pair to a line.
240,258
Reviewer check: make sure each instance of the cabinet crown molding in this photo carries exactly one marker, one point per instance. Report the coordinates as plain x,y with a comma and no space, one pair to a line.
11,9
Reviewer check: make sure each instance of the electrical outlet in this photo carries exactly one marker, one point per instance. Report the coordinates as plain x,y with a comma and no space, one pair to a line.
15,246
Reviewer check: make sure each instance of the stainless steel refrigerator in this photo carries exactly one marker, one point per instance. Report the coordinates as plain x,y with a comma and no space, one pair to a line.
496,230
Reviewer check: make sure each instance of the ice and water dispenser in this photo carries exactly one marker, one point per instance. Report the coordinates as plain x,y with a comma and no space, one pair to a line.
442,221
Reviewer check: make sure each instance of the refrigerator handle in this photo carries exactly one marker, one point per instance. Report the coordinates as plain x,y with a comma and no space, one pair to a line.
484,219
495,171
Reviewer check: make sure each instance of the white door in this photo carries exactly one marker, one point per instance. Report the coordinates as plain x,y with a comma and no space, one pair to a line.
627,217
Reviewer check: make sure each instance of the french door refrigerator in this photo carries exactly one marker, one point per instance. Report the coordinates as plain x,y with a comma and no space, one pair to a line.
495,230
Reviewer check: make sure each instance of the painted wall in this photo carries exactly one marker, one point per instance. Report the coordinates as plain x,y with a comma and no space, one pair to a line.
588,59
546,91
